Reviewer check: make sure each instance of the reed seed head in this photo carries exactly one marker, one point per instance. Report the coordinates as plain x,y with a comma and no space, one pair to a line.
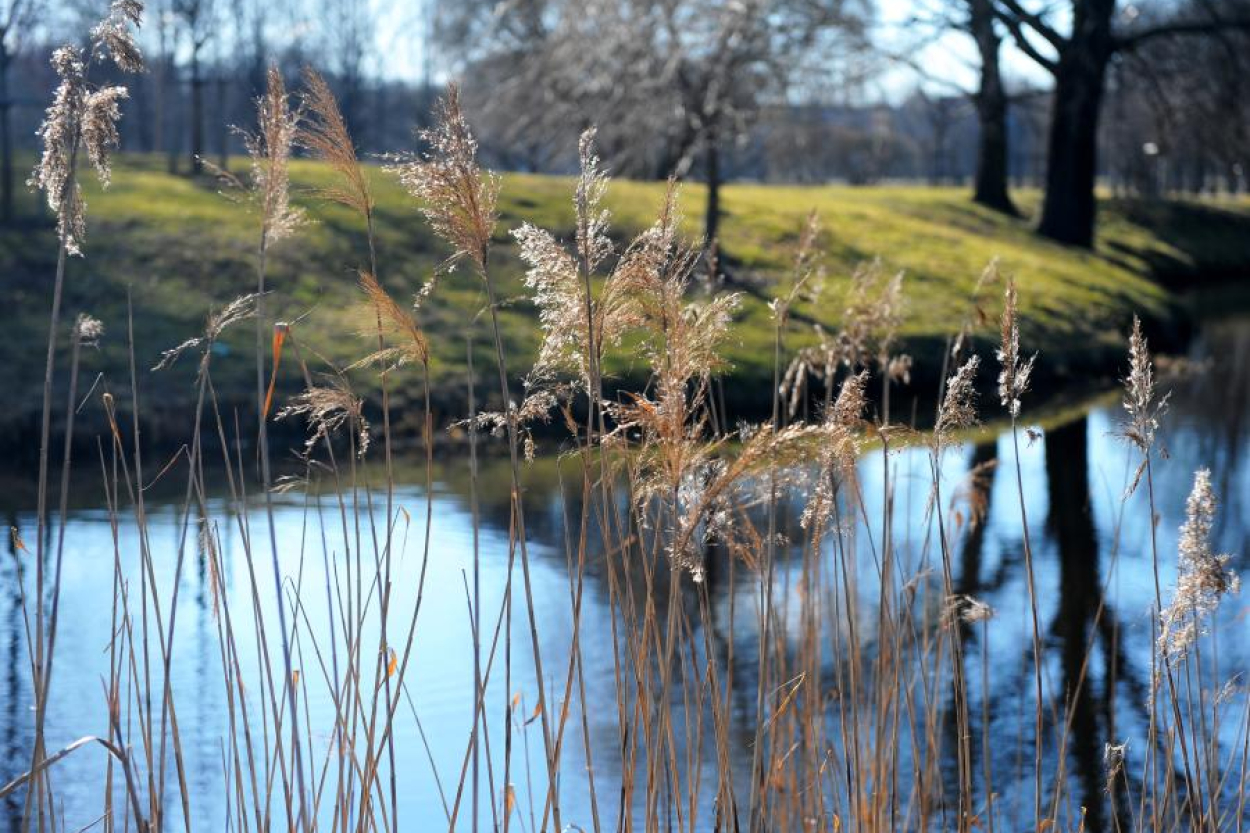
325,135
88,330
457,198
113,35
270,150
958,410
1203,576
389,319
1013,376
593,245
61,133
1140,400
327,409
101,112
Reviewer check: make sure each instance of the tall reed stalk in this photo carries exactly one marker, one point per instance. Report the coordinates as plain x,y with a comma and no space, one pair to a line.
786,652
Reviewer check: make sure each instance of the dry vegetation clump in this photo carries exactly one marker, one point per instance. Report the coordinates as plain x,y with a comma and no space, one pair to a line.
860,693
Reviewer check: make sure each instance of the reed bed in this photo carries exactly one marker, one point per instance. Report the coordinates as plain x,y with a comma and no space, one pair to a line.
865,711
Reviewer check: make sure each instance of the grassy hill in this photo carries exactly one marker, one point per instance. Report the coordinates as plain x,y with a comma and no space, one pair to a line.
176,247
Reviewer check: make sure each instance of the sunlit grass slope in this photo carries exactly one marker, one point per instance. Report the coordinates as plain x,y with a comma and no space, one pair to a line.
177,247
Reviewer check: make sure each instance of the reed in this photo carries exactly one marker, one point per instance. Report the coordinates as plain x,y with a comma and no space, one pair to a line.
859,684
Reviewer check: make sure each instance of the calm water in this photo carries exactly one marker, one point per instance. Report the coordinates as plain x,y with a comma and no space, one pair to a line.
1091,550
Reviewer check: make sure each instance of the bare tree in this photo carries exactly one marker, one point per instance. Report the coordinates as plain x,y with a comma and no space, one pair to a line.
348,39
669,83
976,19
198,19
1079,61
991,102
16,19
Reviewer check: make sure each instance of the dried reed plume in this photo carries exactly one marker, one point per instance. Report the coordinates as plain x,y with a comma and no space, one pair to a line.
82,118
1013,377
1203,577
838,458
270,150
973,610
61,136
325,135
593,244
1144,410
394,321
327,409
872,314
113,35
976,315
958,410
239,309
457,198
576,329
87,330
1113,755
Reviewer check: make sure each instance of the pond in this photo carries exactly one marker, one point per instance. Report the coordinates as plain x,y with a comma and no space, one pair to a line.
1095,587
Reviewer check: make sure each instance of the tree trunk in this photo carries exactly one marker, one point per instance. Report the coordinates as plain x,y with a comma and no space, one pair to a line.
197,115
223,120
1068,211
990,188
711,222
6,140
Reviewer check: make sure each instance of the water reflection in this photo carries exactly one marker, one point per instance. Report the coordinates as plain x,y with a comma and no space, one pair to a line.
1093,573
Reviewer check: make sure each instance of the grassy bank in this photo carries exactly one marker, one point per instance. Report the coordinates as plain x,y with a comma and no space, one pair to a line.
179,248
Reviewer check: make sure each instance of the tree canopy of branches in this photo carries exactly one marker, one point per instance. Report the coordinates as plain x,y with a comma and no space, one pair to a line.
669,83
1079,58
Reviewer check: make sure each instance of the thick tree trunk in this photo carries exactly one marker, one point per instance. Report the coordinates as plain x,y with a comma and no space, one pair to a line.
990,188
711,222
1068,211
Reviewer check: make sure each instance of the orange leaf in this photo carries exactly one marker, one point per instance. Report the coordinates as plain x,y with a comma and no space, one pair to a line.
537,711
280,330
295,678
392,663
18,543
509,800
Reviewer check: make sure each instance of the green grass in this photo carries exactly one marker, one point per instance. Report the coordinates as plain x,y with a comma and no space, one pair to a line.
180,248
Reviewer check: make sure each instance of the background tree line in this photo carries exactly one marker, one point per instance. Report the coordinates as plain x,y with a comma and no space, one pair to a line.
1151,98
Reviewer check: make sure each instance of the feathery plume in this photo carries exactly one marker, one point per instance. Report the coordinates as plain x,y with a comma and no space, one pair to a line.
1203,578
81,117
395,321
1013,377
553,276
113,35
1113,761
239,309
327,409
458,198
88,330
961,607
60,134
848,408
326,136
593,245
101,112
270,150
974,610
958,409
1143,409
